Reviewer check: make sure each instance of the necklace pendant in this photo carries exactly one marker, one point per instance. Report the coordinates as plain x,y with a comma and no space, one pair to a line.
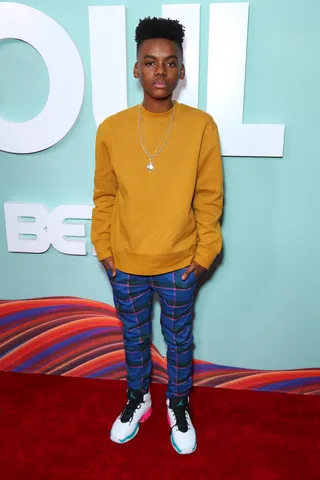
150,166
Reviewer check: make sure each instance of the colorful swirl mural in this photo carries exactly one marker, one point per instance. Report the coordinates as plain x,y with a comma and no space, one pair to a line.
77,337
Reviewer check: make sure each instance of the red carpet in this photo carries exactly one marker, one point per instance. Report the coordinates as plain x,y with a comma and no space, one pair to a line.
57,428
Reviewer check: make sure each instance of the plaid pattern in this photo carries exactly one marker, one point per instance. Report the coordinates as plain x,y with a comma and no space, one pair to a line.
133,295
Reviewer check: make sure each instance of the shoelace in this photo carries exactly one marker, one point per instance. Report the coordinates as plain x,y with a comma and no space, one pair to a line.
180,414
128,411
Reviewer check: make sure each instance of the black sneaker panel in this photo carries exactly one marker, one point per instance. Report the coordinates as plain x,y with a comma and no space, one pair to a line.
135,399
179,406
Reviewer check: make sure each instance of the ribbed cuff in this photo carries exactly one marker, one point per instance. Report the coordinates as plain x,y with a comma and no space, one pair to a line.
103,250
204,260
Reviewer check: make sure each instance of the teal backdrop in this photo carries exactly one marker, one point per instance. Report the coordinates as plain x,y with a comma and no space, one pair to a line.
260,310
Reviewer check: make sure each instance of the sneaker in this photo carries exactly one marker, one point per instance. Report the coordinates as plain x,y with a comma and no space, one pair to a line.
137,410
183,435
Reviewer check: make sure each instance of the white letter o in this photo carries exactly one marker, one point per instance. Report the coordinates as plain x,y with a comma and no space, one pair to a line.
65,73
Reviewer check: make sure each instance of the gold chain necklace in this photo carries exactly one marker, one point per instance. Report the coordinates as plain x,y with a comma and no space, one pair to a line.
158,150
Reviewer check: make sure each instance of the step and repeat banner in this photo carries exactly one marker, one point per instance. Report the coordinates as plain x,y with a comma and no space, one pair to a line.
64,67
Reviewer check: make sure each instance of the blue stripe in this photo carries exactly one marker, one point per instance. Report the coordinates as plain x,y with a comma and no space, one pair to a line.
25,314
213,367
55,348
296,382
107,370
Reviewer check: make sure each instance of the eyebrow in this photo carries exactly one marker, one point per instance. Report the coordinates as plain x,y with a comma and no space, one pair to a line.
167,58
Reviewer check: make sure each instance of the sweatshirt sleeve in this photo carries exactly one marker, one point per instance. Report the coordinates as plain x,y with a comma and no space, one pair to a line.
208,198
104,195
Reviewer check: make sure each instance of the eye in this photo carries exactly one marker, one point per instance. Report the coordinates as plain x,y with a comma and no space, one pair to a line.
172,64
149,64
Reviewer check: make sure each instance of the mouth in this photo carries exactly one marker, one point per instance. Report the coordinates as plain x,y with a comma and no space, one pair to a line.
160,84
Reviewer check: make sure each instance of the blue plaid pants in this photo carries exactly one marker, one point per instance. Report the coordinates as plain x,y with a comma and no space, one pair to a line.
133,296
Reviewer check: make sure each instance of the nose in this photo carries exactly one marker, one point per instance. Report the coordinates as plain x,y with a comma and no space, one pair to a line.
160,70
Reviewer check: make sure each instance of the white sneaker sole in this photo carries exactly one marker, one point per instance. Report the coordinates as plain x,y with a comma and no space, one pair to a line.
185,451
144,417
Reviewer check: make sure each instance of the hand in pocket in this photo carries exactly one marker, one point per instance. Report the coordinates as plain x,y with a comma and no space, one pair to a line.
109,266
195,268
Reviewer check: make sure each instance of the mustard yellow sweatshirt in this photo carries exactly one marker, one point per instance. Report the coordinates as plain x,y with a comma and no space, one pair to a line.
153,222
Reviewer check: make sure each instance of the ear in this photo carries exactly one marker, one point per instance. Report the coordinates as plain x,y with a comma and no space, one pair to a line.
136,70
182,72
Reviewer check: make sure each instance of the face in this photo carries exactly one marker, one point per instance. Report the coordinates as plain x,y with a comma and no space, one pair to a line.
159,67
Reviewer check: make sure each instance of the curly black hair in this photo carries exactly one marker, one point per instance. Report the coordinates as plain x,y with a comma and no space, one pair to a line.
159,28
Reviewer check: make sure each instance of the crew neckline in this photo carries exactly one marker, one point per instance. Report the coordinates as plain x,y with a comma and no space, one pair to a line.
159,114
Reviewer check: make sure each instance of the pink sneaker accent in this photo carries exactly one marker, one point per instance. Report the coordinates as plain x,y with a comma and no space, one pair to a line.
146,415
168,418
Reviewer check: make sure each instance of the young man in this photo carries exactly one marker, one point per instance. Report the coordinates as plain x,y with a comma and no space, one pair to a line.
158,192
